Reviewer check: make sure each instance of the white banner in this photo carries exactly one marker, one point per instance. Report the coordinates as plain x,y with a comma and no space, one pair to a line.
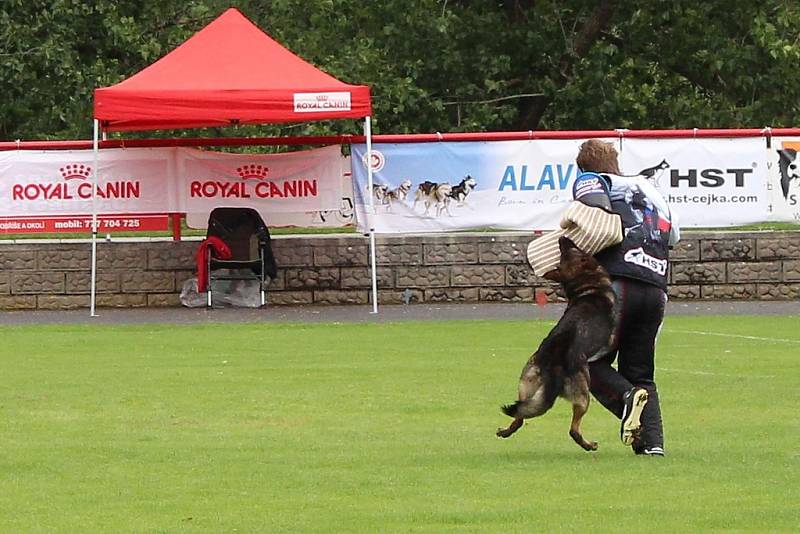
59,182
290,182
434,187
419,187
307,186
706,182
525,185
783,162
334,218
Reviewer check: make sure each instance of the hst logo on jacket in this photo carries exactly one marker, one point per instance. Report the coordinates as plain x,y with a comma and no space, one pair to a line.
321,102
637,256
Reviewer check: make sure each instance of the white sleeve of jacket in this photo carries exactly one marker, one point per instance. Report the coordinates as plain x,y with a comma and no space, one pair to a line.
674,230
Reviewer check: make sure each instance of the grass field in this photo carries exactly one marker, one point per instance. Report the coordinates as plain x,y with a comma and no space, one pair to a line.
382,428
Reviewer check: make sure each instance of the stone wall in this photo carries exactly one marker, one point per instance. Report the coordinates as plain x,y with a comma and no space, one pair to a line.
463,267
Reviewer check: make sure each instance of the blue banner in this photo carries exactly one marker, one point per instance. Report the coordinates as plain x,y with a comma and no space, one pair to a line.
431,187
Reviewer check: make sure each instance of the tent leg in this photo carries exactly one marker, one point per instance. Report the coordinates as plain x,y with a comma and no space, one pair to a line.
373,270
96,151
372,255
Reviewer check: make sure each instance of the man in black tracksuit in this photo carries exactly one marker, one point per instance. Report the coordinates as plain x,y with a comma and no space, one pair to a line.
638,268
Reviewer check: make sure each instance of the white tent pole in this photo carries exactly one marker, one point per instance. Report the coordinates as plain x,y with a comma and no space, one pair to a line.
372,259
96,152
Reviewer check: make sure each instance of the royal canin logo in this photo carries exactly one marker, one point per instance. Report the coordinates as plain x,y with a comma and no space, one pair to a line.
75,172
321,102
255,172
243,188
75,186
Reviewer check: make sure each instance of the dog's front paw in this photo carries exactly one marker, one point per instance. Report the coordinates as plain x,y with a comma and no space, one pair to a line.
591,446
503,432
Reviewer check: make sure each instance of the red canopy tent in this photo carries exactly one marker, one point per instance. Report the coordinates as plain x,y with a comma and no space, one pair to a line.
228,73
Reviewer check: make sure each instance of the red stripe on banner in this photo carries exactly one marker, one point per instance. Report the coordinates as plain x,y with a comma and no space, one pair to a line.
83,223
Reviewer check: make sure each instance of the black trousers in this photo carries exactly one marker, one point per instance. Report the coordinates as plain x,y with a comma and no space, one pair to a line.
639,314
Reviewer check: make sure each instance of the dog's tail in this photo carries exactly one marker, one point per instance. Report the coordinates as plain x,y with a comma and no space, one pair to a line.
533,407
512,410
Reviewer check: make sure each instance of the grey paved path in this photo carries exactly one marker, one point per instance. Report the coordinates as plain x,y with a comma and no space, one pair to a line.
414,312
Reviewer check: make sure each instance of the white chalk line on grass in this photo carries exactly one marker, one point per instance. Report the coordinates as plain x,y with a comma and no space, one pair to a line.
709,373
720,334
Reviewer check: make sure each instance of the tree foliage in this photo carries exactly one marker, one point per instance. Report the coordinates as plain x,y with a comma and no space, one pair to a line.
436,65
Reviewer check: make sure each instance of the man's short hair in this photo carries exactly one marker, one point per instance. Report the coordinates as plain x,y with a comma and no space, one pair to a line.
598,156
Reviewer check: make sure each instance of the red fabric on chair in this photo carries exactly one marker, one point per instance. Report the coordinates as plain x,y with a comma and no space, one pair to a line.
218,249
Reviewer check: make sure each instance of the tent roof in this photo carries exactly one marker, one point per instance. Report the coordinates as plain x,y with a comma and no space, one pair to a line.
230,72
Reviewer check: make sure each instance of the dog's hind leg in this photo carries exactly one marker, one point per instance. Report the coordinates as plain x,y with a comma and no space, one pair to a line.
579,408
534,398
525,409
536,402
576,391
515,425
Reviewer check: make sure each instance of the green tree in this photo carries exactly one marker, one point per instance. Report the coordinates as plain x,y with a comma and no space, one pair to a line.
55,53
436,65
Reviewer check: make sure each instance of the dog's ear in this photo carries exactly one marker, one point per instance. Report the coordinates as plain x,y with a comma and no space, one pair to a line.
553,274
565,243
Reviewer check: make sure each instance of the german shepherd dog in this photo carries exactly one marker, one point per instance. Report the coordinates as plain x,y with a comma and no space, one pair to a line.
559,367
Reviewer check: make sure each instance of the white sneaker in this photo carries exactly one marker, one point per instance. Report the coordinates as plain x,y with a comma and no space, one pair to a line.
635,400
652,451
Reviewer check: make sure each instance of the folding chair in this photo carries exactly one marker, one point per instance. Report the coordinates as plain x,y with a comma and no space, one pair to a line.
245,233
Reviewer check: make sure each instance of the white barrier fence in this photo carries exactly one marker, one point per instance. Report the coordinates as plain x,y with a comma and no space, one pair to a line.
517,185
524,185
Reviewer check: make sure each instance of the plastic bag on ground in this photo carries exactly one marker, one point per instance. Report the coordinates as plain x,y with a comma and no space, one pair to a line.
233,293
